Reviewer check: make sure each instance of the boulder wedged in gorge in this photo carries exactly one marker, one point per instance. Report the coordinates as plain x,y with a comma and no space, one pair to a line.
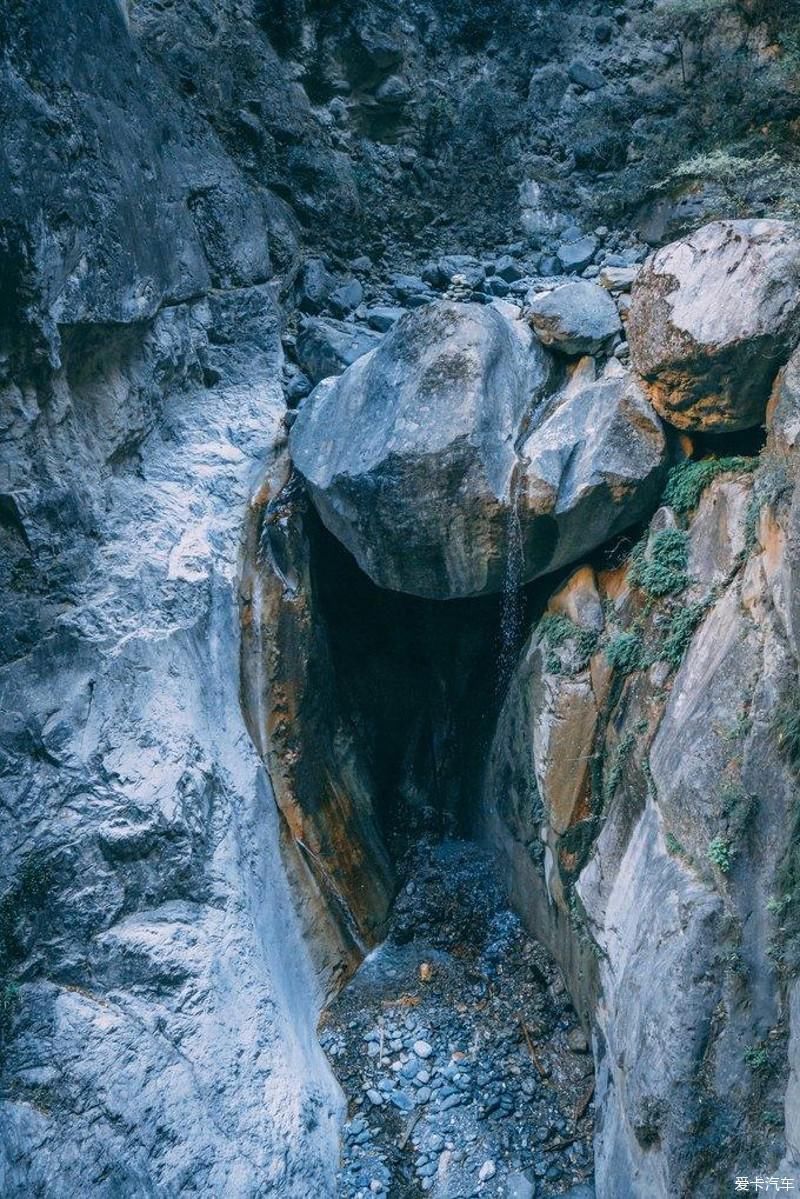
429,457
712,318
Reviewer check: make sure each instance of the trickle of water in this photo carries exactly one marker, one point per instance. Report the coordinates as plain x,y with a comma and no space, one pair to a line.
511,605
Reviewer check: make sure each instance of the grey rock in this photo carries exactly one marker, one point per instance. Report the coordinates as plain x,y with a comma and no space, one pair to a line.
585,76
155,965
408,287
617,278
576,1040
575,255
315,286
298,387
393,92
497,286
575,318
588,466
327,347
381,317
346,297
450,380
508,269
713,317
520,1186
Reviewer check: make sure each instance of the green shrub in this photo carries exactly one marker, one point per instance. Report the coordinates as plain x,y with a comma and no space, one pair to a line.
661,569
787,727
757,1058
688,480
674,846
625,652
560,633
719,852
680,631
621,754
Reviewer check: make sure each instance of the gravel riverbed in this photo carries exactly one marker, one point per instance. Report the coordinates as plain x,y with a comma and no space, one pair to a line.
464,1065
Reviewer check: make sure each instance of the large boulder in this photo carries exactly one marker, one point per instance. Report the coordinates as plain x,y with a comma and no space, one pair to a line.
447,467
591,467
576,318
712,319
409,456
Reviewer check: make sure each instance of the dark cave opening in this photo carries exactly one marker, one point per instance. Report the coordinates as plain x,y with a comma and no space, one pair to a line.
455,973
420,685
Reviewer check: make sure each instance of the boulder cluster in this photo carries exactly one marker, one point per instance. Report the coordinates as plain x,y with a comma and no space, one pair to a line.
470,443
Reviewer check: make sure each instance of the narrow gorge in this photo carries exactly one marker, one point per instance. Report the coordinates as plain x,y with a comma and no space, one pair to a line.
399,542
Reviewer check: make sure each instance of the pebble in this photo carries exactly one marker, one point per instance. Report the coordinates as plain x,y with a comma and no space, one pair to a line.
576,1037
460,1091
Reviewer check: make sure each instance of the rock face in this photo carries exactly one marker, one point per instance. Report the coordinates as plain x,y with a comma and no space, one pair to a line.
641,797
427,457
190,859
713,317
575,318
158,1004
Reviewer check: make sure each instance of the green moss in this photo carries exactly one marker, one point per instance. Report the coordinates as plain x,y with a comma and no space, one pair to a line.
719,852
739,808
621,755
757,1058
625,652
674,846
787,728
787,902
661,569
559,633
688,480
680,631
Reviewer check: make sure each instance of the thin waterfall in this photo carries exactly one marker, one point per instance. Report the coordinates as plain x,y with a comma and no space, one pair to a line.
511,608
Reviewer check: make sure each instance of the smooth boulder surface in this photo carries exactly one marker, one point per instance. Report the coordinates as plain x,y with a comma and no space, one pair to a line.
576,318
436,460
409,456
713,317
591,468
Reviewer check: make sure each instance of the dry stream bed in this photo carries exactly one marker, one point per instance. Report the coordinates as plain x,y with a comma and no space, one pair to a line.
465,1069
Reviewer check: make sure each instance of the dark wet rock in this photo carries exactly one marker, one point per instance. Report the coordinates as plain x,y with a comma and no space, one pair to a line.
314,286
